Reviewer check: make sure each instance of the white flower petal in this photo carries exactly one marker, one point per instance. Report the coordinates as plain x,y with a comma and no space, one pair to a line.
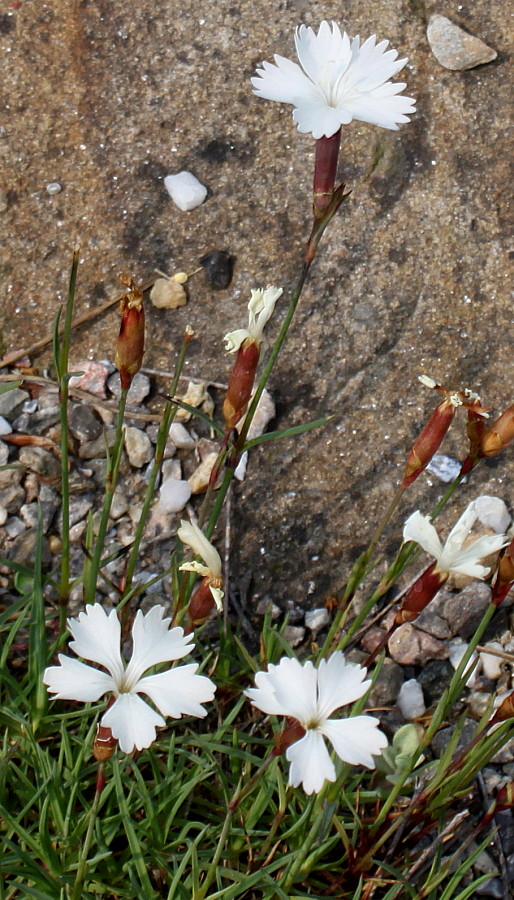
132,722
234,339
218,595
179,692
419,528
73,680
287,689
191,535
154,642
97,638
356,740
283,82
461,529
310,763
339,683
194,566
320,120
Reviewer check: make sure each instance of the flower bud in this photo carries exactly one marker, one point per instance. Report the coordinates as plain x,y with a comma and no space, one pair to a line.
420,594
499,434
505,710
131,339
429,440
202,603
325,169
104,744
292,732
241,383
504,575
475,428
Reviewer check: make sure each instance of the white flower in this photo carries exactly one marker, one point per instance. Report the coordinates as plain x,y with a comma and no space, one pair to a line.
193,537
175,692
341,81
310,695
260,307
453,557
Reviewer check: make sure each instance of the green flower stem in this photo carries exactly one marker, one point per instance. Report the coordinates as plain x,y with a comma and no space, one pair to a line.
295,866
62,352
239,795
170,411
110,487
93,813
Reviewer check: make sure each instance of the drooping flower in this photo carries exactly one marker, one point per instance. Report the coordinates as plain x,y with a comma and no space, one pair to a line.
174,692
247,343
310,696
453,556
338,80
191,535
260,309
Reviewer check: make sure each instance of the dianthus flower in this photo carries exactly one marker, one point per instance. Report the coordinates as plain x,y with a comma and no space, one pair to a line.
310,696
338,80
175,692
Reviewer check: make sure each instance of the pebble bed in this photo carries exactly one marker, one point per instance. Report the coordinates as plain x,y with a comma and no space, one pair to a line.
421,655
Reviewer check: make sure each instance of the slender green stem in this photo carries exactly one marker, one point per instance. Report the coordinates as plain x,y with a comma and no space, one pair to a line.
170,411
296,864
62,359
81,869
110,487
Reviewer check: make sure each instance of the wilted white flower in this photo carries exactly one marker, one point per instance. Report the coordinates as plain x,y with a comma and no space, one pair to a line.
339,80
453,557
193,537
310,696
260,308
175,692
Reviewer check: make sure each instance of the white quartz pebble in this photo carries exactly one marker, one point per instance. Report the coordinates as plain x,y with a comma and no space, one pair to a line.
491,664
173,495
411,702
493,513
185,190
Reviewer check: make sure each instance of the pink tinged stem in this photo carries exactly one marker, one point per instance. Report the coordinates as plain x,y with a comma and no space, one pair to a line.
325,169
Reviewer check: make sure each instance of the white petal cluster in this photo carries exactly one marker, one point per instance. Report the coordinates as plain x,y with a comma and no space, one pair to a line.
310,696
338,80
174,692
260,309
194,538
452,556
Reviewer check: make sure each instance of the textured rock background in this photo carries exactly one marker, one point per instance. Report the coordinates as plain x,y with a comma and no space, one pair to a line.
107,97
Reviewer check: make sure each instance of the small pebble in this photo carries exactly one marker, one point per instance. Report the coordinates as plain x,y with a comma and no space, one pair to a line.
53,188
185,190
264,413
83,423
173,495
168,294
11,402
139,389
454,48
5,426
317,618
180,437
411,702
491,664
493,513
94,378
240,470
445,468
138,446
266,605
218,267
3,515
294,635
457,651
199,480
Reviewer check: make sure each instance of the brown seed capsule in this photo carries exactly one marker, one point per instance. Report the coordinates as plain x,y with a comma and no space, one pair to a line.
105,744
131,339
202,602
420,594
429,440
499,434
241,382
325,169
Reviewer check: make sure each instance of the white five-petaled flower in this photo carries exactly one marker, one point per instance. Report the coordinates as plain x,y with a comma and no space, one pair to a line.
339,80
175,692
260,308
453,557
193,537
310,696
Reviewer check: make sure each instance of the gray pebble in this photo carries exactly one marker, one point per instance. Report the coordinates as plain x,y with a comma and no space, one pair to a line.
294,635
138,446
317,618
42,461
11,402
464,610
53,188
454,48
445,468
139,389
83,423
5,426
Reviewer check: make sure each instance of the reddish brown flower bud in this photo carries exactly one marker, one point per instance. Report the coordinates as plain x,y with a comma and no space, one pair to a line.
105,744
292,732
505,710
325,169
241,382
202,602
131,339
429,440
420,594
499,434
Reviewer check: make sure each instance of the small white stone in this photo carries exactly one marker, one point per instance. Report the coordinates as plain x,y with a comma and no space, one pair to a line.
53,188
491,665
199,480
493,513
240,470
411,702
3,515
5,426
457,651
138,446
264,413
173,495
185,190
167,294
266,605
294,635
317,618
180,437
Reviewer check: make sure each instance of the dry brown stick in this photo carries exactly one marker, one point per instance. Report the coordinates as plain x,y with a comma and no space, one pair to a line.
80,320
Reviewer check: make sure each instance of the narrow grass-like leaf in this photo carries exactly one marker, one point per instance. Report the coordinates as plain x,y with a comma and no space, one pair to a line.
287,432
